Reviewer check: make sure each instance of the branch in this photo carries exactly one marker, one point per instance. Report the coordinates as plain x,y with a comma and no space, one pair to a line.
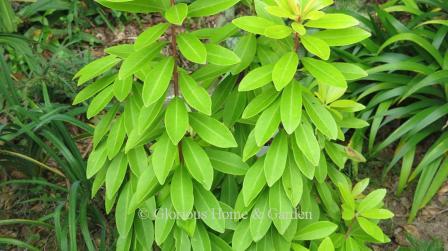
296,42
175,74
176,59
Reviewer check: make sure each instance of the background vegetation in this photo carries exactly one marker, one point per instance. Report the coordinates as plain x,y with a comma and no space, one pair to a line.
45,199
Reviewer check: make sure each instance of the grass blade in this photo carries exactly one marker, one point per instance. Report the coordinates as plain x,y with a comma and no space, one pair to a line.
17,243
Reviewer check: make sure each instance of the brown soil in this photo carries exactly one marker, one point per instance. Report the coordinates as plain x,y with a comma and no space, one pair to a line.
431,221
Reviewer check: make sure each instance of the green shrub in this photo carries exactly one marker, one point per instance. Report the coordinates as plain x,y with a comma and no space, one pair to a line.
263,145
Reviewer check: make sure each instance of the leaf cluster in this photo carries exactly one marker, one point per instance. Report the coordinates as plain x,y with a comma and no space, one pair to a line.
253,128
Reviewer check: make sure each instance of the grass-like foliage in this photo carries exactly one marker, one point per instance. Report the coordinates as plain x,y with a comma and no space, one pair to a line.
407,62
34,134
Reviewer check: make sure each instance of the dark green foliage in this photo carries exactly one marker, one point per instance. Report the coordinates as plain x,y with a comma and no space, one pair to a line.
407,60
422,245
35,133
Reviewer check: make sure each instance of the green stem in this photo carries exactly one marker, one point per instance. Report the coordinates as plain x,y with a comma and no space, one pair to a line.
176,74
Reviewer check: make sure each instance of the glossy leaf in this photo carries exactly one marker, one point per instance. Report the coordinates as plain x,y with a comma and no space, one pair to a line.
96,68
100,101
176,120
316,46
177,13
280,206
307,142
202,8
316,230
163,157
116,138
267,124
196,96
135,61
192,48
115,175
371,228
181,190
197,162
291,107
372,200
212,131
333,21
320,117
260,221
326,245
284,70
276,157
252,24
256,78
253,183
324,72
122,218
150,35
342,37
157,81
227,162
207,203
219,55
292,183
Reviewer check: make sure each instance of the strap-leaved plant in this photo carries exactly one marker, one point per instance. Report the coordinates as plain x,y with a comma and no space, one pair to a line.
188,170
409,88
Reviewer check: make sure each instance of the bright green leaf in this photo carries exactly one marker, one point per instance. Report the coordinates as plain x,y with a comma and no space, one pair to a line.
316,46
276,157
197,162
260,222
176,14
284,70
115,175
195,95
324,72
320,117
227,162
212,131
157,81
137,59
307,142
100,101
181,190
316,230
163,157
256,78
219,55
206,203
253,183
291,107
342,37
116,138
176,120
150,35
200,8
333,21
192,48
371,228
267,124
252,24
280,207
